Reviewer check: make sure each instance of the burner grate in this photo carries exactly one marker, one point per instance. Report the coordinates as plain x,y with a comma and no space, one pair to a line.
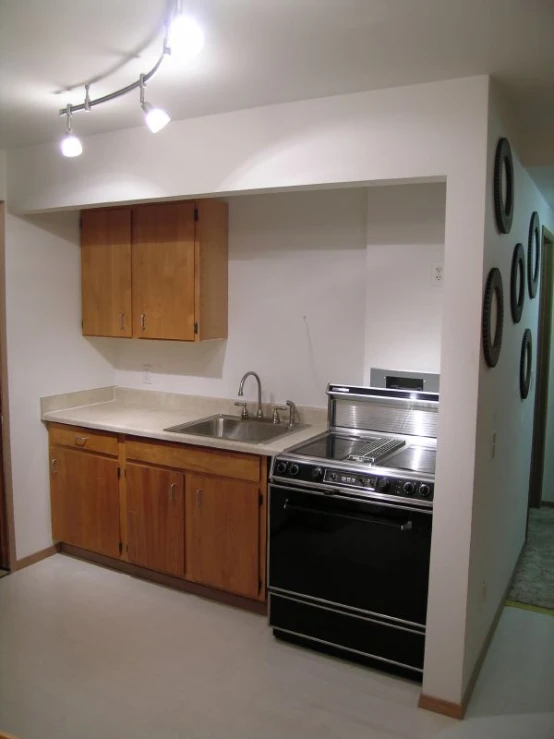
370,452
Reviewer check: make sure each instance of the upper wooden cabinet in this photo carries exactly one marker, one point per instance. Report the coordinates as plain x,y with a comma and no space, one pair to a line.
106,272
156,271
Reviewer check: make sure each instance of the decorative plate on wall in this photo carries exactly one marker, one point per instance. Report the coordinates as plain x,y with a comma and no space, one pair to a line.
525,364
533,254
503,186
517,283
493,317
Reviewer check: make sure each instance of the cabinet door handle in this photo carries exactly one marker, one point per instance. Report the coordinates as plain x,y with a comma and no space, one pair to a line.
198,497
172,491
122,321
81,440
53,466
143,321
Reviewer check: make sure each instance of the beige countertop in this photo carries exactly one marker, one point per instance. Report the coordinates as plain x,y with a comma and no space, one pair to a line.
147,413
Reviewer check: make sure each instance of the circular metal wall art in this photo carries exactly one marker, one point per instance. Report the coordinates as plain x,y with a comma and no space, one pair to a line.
533,255
517,283
494,296
525,364
503,186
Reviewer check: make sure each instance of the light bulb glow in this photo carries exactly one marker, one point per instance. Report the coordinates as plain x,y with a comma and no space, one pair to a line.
185,37
71,145
156,118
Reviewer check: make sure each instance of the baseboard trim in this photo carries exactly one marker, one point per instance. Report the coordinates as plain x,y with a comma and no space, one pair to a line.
437,705
32,559
547,503
170,581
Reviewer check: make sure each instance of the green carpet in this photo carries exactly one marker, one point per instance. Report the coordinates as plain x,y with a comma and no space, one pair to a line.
534,578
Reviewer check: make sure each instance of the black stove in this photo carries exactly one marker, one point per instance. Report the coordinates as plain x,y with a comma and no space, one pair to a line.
350,521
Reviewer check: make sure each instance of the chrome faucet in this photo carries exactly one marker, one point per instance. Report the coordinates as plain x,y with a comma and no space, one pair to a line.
260,412
292,413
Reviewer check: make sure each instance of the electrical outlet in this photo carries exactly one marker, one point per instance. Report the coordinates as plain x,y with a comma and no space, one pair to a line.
146,374
437,273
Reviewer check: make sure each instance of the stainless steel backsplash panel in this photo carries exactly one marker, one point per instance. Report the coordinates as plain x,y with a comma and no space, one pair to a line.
388,417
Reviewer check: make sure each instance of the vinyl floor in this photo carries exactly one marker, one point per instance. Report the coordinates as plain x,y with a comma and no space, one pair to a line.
87,653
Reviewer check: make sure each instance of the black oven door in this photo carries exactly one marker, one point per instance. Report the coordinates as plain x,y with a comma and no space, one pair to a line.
357,554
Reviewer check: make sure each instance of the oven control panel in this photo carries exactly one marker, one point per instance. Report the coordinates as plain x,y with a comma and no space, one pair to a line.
404,487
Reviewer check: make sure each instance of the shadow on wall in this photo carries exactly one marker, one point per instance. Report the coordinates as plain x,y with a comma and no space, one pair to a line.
168,357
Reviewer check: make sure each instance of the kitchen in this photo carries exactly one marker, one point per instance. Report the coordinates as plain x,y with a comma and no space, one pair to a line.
51,241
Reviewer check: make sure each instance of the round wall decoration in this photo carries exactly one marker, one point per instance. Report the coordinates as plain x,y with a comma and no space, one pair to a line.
525,364
493,299
503,186
517,283
533,254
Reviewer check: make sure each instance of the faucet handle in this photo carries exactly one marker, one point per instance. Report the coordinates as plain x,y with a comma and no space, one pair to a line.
276,409
244,412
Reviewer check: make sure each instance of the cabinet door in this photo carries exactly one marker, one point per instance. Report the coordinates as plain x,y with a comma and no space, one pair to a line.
164,271
155,518
85,500
222,534
106,272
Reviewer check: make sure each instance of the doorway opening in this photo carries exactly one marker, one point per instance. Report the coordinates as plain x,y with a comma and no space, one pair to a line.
7,546
533,584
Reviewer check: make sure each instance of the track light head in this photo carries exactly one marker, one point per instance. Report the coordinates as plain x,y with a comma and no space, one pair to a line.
70,144
185,38
155,118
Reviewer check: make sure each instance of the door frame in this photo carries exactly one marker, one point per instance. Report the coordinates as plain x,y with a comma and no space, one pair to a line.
546,299
7,524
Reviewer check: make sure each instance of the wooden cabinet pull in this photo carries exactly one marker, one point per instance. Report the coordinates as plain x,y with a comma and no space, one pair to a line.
172,491
53,466
81,440
198,497
122,321
143,321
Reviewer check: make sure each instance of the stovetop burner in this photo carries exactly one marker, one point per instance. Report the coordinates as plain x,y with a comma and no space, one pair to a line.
366,451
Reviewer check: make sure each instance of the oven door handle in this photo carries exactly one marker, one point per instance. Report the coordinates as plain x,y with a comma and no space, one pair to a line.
406,526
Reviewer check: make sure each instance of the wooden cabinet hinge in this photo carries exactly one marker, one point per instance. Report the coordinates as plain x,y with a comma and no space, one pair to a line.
259,586
260,499
195,213
118,473
120,548
196,327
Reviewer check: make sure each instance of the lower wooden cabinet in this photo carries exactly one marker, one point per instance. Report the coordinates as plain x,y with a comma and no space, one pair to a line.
85,500
156,518
222,534
190,512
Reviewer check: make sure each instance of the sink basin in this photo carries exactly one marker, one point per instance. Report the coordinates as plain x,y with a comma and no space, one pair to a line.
250,430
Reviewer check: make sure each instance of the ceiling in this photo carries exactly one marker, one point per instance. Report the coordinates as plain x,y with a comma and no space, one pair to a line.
265,51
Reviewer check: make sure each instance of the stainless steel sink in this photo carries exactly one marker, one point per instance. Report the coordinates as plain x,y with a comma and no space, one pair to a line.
250,430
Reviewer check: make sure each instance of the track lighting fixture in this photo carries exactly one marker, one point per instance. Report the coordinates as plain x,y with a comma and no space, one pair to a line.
183,38
70,144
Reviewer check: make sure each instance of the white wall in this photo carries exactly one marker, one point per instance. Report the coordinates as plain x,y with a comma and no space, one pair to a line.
434,130
501,484
405,238
296,304
548,471
46,355
2,175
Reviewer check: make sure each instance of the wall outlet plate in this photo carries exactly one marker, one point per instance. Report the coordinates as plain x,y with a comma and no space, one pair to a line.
437,273
147,374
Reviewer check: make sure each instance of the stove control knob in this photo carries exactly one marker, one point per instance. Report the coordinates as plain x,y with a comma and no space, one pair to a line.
366,481
317,473
294,469
408,488
424,490
383,484
281,468
333,477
